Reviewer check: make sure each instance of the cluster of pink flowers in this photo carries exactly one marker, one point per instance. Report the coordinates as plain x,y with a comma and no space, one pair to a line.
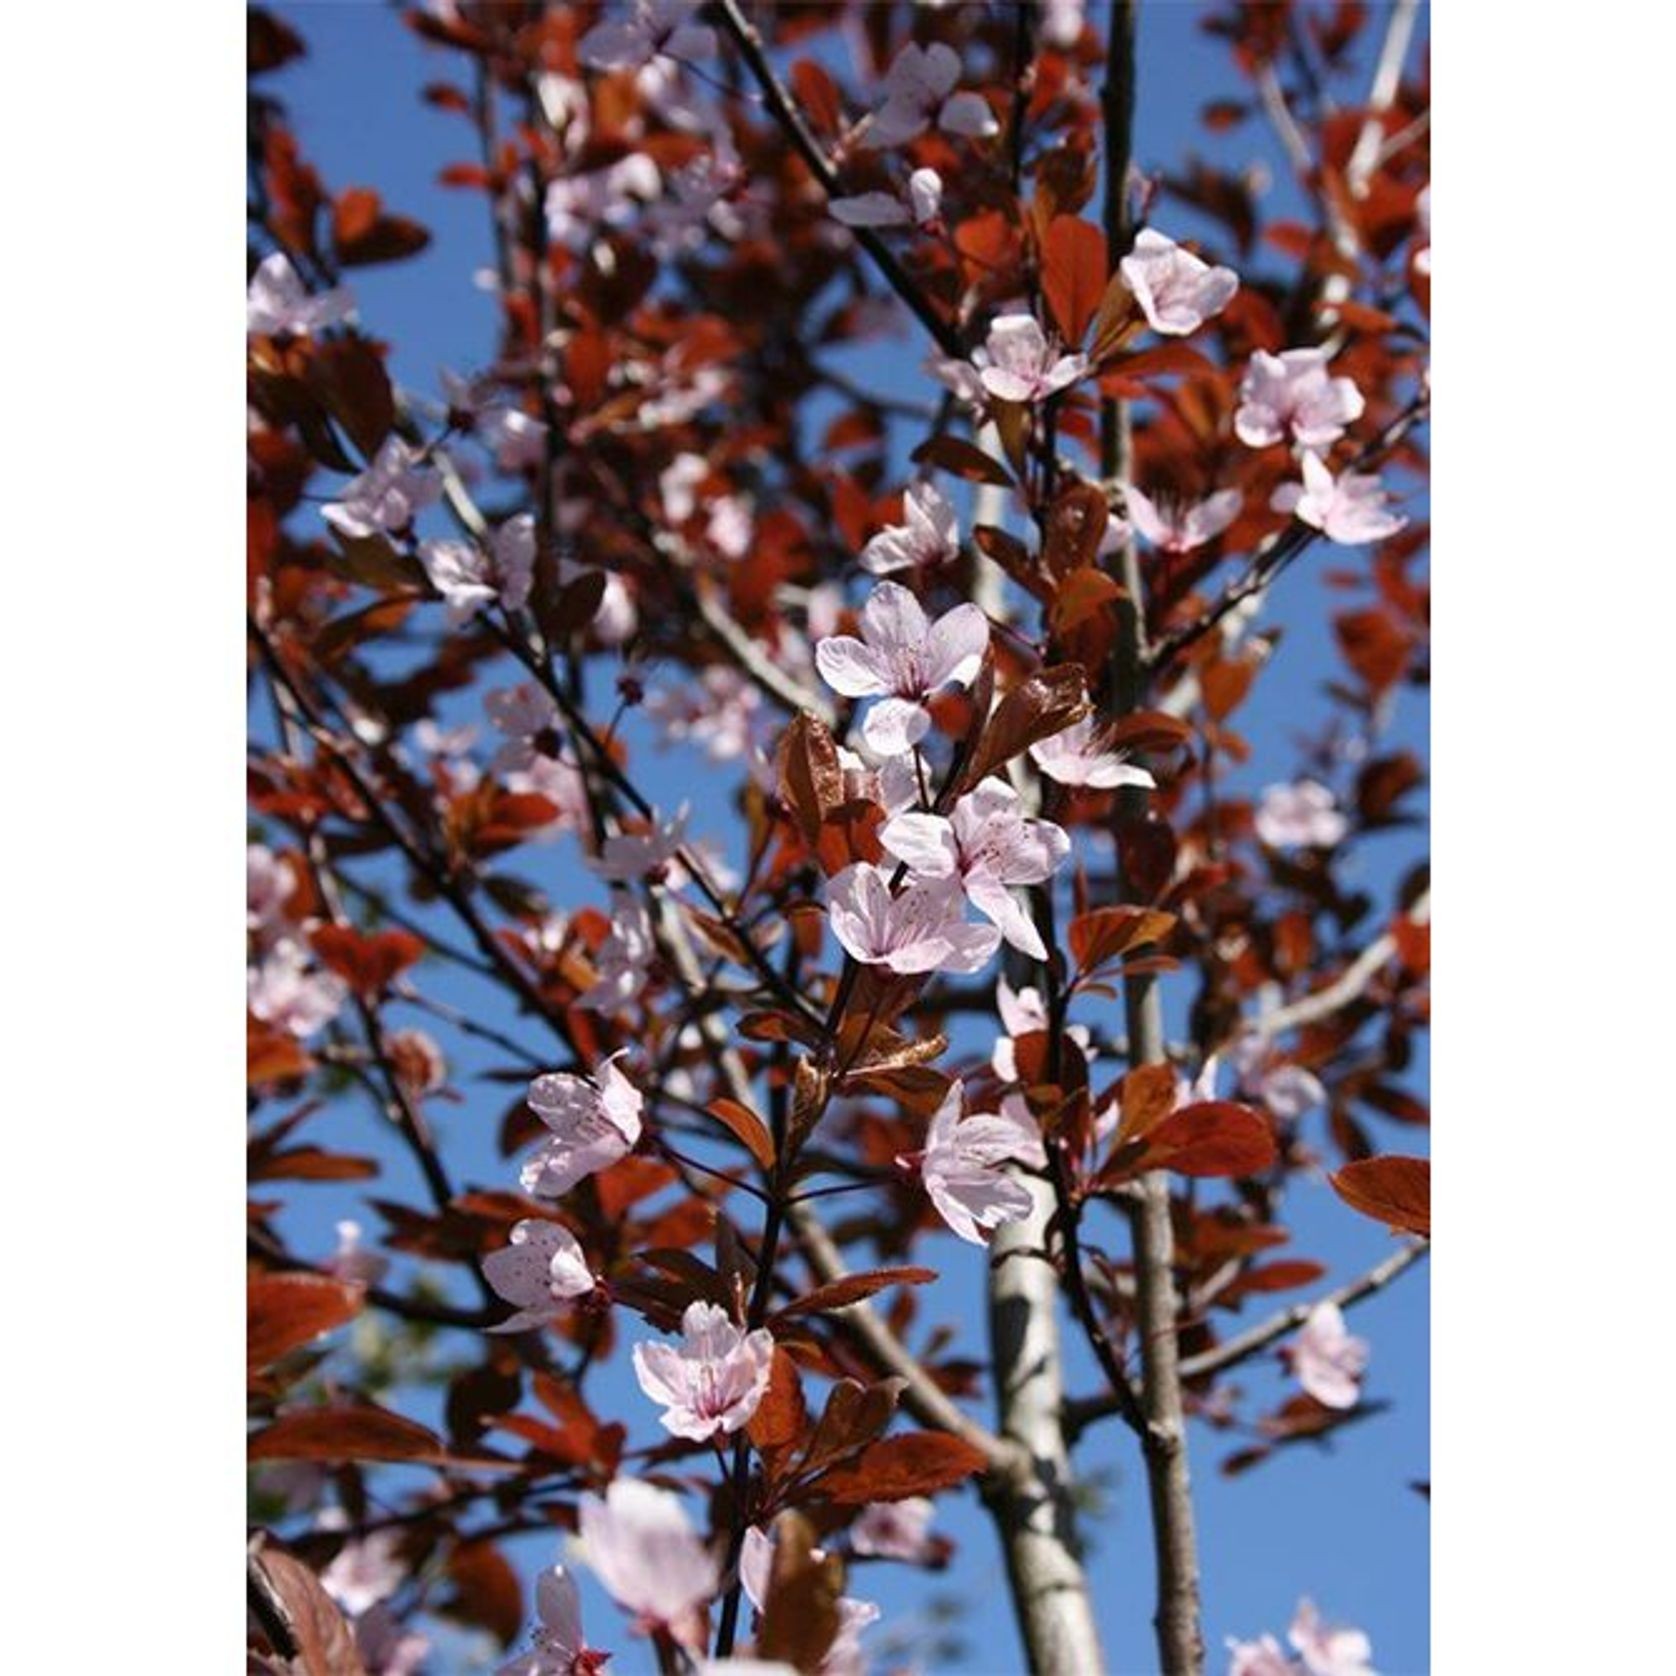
1323,1650
470,575
284,987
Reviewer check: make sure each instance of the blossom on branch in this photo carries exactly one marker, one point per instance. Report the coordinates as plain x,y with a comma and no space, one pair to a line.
756,1571
986,846
919,205
920,929
961,1166
901,659
1349,510
1292,393
387,496
595,1121
712,1382
286,992
1328,1650
622,961
1020,365
928,536
1179,526
541,1270
919,91
1300,813
559,1646
653,29
1075,757
1177,291
469,575
896,1530
1326,1359
278,301
639,1543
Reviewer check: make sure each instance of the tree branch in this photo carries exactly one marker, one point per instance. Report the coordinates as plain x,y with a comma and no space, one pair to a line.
746,37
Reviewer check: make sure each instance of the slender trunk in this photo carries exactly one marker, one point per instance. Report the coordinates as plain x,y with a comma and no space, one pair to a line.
1032,1506
1181,1650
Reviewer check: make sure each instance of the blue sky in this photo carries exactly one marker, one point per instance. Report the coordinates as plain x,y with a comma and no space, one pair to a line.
1344,1528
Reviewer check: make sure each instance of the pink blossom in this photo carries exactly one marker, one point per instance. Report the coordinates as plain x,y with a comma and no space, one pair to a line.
1326,1359
719,711
284,991
518,442
542,1269
654,28
892,783
918,930
901,659
644,852
278,301
987,846
1062,22
1179,526
1423,219
1022,1013
919,90
961,1166
1329,1651
919,205
622,961
1177,292
713,1381
1075,757
469,575
529,718
268,885
559,1646
1260,1074
1349,510
1258,1658
639,1543
387,496
595,1121
1300,813
1292,393
1020,365
928,536
895,1530
578,205
697,205
678,485
364,1572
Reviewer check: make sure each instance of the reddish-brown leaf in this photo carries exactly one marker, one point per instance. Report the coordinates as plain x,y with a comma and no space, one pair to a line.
325,1642
1073,273
913,1464
1392,1189
369,961
853,1288
963,459
1040,706
746,1127
782,1416
363,233
285,1311
360,1432
1212,1138
1148,1096
1104,934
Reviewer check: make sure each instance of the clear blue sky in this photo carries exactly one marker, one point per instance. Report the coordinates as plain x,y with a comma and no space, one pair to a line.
1342,1527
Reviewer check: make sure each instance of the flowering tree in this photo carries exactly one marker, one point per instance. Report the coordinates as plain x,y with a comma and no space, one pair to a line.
951,921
